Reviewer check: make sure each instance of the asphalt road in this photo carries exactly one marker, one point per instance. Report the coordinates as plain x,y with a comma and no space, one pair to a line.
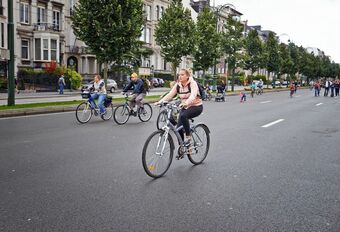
261,174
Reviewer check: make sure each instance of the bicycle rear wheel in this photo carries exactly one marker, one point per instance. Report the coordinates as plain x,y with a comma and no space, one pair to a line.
145,112
121,114
83,112
109,113
200,144
157,154
161,119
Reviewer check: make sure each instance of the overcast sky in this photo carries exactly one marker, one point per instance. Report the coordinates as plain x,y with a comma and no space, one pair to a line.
311,23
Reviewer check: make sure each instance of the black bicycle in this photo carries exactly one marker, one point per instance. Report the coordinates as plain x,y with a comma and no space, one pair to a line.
85,110
123,112
159,147
259,91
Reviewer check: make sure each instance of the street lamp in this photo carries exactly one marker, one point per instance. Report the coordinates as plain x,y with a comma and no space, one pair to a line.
282,40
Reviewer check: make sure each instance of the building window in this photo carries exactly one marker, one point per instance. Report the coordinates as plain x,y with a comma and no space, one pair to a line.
25,49
53,49
148,35
161,12
37,49
142,36
24,9
157,12
148,13
45,49
2,35
1,8
56,20
41,15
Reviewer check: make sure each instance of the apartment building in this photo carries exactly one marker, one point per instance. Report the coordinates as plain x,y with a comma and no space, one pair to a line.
4,53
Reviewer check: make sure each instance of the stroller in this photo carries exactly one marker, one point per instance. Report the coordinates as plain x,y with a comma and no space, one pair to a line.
220,96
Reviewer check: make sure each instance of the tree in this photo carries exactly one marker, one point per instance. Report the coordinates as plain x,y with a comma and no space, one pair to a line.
110,28
232,44
207,41
254,51
295,58
286,63
175,33
273,58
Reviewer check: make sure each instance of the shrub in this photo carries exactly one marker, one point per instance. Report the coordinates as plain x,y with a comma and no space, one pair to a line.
74,77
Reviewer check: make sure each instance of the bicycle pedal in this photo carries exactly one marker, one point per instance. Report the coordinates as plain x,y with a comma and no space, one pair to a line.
178,157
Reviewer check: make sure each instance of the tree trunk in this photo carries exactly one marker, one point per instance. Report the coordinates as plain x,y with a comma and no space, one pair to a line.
174,69
105,73
233,80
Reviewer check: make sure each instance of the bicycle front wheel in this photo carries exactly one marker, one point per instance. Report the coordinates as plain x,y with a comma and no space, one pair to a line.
161,119
157,154
109,113
121,114
84,112
201,144
145,112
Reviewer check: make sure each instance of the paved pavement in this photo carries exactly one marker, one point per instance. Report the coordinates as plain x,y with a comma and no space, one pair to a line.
274,165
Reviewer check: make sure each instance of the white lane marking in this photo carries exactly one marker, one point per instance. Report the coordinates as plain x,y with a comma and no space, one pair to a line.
319,104
336,97
272,123
264,102
36,115
298,96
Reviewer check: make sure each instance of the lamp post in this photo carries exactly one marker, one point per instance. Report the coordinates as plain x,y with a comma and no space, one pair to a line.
11,63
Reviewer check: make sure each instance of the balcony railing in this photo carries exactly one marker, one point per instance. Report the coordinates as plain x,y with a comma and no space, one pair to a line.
46,27
77,49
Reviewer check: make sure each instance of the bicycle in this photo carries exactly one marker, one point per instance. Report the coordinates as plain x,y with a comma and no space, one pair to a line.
123,112
158,150
259,91
162,116
85,110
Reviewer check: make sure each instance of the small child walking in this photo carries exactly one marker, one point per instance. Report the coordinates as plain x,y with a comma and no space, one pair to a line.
243,96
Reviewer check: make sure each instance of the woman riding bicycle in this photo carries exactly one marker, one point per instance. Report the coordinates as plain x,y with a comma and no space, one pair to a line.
99,91
191,103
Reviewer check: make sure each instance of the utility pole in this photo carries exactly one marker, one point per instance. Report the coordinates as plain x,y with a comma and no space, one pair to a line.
11,63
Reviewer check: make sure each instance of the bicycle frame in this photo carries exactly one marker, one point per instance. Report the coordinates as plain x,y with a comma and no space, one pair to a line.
170,127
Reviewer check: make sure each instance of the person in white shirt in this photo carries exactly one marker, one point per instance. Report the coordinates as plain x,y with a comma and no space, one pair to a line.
99,91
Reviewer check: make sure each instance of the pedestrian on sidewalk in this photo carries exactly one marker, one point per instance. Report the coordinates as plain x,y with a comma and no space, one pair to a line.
61,83
317,88
327,85
16,85
337,87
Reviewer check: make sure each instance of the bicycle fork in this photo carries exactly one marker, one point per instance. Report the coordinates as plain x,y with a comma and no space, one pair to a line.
164,137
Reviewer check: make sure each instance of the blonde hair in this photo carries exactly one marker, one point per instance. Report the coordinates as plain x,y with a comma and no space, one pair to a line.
187,72
134,75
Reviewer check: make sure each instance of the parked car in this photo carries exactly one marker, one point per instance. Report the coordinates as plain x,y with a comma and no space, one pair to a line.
111,86
285,83
160,82
277,83
154,82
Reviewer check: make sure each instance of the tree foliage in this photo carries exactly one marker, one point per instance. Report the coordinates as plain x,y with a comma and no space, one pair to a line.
207,48
175,33
254,51
110,28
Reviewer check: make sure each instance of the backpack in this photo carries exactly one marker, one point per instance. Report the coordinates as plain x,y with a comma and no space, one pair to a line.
146,84
202,93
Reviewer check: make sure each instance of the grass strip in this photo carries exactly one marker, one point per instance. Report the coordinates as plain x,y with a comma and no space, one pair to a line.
64,103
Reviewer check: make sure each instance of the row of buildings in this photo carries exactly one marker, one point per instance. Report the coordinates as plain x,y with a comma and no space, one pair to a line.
43,33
